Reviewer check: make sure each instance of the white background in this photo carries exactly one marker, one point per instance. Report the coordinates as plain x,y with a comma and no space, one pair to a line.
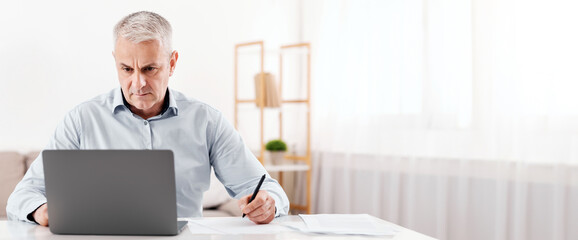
57,54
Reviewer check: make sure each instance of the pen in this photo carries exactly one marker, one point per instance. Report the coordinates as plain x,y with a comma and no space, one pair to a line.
256,190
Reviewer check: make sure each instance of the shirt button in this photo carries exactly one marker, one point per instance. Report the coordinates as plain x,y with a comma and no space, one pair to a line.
146,123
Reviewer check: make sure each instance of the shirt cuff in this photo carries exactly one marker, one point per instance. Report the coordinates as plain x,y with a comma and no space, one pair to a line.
278,207
30,216
30,208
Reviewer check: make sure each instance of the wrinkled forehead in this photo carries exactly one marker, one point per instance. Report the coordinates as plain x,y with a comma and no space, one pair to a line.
144,51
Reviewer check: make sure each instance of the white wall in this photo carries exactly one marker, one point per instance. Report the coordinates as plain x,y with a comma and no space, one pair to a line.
56,54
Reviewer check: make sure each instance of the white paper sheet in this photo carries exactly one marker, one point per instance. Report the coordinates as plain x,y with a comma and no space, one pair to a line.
358,224
233,225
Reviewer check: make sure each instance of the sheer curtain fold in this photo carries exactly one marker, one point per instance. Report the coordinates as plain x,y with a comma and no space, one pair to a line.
454,118
451,198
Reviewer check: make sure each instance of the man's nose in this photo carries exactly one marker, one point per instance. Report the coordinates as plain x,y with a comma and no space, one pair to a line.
139,81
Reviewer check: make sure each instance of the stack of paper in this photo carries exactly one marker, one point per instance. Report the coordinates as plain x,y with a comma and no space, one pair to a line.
358,224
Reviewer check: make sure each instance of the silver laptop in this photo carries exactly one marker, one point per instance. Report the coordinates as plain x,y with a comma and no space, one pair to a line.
111,192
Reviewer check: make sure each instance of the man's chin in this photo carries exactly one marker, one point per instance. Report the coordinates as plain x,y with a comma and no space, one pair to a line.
142,108
141,105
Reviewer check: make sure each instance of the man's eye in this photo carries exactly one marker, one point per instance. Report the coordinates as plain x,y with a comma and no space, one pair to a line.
148,69
126,69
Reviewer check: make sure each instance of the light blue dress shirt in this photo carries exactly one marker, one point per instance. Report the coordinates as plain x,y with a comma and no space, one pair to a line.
198,135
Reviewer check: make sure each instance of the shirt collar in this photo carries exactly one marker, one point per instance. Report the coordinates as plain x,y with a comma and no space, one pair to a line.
169,105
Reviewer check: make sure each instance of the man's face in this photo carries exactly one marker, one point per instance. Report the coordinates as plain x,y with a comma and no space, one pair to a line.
143,72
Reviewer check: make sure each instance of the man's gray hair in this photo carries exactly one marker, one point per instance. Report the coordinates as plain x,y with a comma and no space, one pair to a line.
144,26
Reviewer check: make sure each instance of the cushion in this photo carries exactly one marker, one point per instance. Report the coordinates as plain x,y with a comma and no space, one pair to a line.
30,157
12,169
231,207
216,195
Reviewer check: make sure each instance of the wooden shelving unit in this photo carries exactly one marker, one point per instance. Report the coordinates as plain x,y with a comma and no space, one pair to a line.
304,160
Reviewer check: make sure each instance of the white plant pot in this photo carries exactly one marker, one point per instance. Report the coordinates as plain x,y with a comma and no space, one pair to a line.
276,157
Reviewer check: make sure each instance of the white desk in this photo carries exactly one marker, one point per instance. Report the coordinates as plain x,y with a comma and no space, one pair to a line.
20,230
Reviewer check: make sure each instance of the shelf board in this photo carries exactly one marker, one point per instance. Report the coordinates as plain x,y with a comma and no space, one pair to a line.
282,101
295,101
257,51
293,157
287,168
246,101
298,207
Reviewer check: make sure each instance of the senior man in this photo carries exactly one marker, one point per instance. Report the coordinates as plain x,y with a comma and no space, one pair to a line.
145,114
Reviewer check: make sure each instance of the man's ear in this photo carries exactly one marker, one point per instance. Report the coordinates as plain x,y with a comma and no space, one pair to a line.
173,62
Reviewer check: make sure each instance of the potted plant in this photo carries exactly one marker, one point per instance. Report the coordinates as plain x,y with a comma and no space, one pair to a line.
276,149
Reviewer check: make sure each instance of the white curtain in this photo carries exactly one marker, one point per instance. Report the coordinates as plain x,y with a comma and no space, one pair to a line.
455,118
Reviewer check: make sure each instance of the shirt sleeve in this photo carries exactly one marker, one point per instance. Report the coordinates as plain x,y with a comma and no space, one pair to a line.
30,193
237,168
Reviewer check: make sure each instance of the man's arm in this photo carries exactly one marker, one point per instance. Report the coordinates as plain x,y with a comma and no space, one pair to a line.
238,169
30,194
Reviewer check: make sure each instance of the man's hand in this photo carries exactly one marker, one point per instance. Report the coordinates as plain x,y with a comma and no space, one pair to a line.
41,215
261,210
